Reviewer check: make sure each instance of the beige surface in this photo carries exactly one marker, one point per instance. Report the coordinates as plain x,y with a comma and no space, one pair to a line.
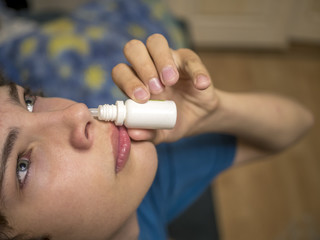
249,23
278,198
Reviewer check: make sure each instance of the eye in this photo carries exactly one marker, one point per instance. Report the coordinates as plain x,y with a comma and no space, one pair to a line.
23,165
29,99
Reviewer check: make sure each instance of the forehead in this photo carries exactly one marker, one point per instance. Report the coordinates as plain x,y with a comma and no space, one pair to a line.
4,105
10,111
4,98
3,88
8,105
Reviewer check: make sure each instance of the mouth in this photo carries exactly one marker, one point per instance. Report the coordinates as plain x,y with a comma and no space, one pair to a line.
121,147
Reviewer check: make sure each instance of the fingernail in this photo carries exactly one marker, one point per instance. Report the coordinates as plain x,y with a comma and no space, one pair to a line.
155,85
202,81
140,94
169,75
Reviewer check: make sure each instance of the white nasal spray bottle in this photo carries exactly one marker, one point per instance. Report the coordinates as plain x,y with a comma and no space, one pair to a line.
154,114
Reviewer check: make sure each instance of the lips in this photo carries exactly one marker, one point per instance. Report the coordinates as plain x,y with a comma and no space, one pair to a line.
121,147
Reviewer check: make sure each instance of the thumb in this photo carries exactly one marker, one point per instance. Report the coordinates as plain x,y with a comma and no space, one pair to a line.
141,134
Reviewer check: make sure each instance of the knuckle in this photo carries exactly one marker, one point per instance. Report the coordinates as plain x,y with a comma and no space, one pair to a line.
190,57
188,53
192,61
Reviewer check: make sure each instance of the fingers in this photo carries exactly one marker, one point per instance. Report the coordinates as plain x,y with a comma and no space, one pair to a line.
152,63
161,54
146,135
154,66
126,79
193,67
138,56
141,134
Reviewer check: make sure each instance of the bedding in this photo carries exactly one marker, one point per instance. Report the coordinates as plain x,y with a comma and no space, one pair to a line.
72,55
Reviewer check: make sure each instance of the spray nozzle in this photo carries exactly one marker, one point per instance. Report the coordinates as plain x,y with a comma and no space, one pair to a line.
94,112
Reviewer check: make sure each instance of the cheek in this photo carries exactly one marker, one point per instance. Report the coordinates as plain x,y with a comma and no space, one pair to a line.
71,174
145,164
81,195
72,205
68,193
88,200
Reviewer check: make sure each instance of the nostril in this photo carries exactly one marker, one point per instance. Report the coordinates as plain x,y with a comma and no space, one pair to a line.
81,136
86,130
79,122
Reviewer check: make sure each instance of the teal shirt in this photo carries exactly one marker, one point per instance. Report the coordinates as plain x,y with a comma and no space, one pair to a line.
186,168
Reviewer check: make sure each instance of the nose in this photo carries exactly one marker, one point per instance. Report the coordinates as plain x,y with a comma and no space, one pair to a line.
78,121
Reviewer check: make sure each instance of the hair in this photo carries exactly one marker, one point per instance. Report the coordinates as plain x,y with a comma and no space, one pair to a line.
5,228
3,79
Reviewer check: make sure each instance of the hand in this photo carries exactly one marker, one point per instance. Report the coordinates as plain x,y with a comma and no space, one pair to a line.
158,72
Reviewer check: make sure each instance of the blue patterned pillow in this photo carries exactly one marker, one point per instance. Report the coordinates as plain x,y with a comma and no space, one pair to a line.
73,56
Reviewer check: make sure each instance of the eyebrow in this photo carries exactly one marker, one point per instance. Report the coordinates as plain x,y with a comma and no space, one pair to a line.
10,139
6,151
13,93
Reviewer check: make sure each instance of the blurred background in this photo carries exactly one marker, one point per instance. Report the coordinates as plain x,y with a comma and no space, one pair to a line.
269,46
247,45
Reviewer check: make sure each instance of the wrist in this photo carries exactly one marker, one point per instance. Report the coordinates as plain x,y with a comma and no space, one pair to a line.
216,116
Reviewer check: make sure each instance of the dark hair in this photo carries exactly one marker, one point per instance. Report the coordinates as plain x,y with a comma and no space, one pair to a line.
3,79
5,228
5,232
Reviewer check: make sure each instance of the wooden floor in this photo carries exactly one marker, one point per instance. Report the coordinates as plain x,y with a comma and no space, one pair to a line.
278,198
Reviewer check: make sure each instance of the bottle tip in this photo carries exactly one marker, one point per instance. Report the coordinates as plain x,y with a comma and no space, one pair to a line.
94,112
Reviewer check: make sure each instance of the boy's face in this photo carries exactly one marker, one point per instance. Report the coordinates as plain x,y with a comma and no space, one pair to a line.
61,174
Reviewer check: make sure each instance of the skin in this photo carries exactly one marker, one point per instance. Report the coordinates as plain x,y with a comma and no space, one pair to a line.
72,169
263,123
73,191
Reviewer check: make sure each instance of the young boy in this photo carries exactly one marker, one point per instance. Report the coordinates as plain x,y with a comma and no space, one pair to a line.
66,175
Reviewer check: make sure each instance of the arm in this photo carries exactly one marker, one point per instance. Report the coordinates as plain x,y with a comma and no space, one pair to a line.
262,123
